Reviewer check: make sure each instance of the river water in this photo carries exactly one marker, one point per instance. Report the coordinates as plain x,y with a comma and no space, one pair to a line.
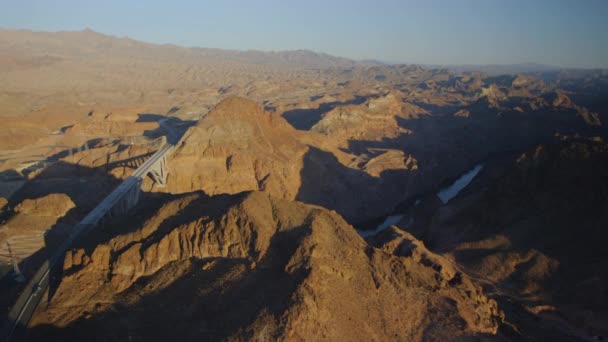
445,195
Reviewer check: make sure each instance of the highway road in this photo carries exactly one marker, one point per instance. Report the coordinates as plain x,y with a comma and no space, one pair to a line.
23,309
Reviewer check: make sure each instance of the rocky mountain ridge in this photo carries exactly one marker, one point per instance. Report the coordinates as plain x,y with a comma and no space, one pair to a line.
285,269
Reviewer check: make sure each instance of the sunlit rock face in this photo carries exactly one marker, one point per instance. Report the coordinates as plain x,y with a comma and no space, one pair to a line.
237,147
302,272
32,217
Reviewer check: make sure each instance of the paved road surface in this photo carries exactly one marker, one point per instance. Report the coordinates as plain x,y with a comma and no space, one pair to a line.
22,311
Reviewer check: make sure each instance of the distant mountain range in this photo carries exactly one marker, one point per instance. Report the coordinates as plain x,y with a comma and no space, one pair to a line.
499,68
87,43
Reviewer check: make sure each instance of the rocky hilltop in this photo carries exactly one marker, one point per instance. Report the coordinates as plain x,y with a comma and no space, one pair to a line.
250,266
237,147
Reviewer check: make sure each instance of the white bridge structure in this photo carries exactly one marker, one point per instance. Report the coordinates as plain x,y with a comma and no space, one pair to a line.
126,195
117,203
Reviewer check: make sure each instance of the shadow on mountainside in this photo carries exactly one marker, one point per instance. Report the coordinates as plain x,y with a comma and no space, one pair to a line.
354,194
57,157
304,119
532,230
225,294
447,146
85,187
443,146
173,127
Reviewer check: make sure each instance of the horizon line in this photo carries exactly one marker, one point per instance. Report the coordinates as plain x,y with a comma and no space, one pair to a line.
546,67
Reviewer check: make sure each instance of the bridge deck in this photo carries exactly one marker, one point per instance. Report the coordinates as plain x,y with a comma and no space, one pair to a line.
23,309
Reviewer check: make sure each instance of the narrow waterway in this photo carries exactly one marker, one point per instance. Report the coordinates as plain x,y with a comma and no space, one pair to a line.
447,193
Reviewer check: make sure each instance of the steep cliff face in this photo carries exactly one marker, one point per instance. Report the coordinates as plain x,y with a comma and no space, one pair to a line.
238,147
249,266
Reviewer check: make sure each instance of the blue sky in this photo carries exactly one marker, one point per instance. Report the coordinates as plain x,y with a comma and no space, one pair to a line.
570,33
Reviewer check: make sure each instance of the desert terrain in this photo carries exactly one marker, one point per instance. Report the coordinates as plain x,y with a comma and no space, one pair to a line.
307,196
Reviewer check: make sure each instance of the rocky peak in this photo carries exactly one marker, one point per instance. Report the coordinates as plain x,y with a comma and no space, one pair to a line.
237,147
287,270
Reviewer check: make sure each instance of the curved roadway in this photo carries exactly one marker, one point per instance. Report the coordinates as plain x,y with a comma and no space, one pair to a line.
24,307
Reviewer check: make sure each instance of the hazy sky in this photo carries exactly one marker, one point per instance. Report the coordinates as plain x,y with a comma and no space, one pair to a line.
557,32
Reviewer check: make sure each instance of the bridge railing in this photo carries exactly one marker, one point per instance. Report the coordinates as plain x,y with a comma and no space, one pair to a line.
24,307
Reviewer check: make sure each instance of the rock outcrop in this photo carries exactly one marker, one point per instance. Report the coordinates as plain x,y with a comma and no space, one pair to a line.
249,266
238,147
373,120
34,216
55,205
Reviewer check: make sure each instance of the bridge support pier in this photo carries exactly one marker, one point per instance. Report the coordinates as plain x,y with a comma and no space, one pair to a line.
118,202
159,172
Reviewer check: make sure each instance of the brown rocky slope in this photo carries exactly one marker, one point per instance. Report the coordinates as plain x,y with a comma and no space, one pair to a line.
238,147
250,266
533,228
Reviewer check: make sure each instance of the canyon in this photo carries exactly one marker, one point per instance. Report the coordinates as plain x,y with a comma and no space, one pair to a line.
308,197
